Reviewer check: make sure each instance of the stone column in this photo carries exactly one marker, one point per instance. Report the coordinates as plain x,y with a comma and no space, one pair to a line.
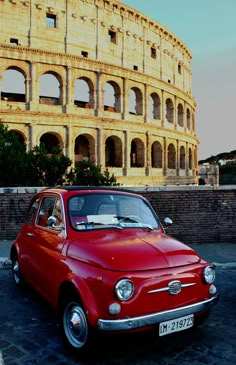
100,146
69,91
175,121
163,109
30,138
125,100
99,94
146,104
34,87
27,92
126,154
0,87
148,154
177,159
165,153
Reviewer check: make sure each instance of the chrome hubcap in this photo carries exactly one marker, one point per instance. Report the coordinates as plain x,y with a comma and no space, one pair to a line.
75,325
16,272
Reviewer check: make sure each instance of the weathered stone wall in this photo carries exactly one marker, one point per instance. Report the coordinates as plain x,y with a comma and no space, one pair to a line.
200,214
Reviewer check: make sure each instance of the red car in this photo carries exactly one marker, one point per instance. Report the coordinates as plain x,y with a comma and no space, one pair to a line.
102,259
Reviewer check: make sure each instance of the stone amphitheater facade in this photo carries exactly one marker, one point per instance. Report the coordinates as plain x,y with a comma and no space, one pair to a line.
105,82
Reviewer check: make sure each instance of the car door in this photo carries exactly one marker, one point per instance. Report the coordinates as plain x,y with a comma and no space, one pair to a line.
46,247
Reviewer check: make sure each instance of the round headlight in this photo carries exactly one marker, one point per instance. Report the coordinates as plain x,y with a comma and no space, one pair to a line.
209,274
124,289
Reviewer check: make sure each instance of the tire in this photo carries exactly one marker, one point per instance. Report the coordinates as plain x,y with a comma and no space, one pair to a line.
15,268
75,327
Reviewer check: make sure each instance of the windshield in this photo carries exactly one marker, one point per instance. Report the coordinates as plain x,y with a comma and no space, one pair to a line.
93,211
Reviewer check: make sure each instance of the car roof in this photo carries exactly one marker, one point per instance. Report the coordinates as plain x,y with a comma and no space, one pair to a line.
71,188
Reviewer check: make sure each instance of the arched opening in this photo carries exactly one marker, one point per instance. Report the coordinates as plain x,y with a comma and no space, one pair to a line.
188,119
112,97
81,149
50,89
137,153
190,159
83,93
182,157
180,115
113,152
155,106
18,136
135,101
169,111
171,157
156,155
13,86
84,148
50,141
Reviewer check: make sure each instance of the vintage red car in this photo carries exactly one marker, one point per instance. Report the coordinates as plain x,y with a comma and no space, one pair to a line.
101,258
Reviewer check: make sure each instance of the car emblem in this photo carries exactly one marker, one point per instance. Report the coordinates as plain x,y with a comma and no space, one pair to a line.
174,287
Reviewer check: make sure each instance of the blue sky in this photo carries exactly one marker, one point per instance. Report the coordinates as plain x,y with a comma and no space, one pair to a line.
208,28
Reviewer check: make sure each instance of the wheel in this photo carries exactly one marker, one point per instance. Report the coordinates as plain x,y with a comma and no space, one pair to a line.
75,327
15,268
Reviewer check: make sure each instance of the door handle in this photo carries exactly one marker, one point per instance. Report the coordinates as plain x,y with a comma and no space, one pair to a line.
30,234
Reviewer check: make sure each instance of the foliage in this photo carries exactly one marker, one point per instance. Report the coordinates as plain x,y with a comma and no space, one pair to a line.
227,170
86,173
221,156
47,170
12,159
228,174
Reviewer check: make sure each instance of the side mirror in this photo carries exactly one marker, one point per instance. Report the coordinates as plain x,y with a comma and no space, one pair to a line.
168,222
52,221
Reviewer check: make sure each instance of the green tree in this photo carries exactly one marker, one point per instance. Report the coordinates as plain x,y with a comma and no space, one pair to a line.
88,174
45,169
13,161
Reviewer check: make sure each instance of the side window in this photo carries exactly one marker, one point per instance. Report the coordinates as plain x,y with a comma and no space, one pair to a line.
32,210
57,212
45,211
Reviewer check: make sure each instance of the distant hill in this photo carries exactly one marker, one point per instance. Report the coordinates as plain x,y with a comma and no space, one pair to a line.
224,156
227,166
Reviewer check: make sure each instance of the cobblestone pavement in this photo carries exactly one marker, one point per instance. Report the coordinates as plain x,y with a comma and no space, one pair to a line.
29,334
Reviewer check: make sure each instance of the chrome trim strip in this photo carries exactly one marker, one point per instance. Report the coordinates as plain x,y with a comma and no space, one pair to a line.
155,318
167,288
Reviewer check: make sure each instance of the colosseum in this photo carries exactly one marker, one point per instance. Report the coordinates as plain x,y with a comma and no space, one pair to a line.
104,82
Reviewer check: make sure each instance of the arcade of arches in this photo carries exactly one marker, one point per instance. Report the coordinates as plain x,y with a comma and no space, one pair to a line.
150,151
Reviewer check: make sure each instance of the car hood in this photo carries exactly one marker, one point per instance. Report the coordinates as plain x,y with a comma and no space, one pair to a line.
131,250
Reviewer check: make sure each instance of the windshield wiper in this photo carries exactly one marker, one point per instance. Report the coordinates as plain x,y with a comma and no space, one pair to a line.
133,219
86,224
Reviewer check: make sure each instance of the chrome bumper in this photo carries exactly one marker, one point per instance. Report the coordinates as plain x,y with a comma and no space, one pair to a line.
155,318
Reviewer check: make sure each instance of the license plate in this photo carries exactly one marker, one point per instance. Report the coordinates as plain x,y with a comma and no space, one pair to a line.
175,325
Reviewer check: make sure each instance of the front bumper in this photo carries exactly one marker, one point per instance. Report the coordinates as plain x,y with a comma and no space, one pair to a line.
155,318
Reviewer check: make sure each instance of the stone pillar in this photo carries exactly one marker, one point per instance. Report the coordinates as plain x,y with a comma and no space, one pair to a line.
34,89
27,91
187,159
177,159
175,121
69,91
0,87
165,154
69,144
163,109
146,104
100,146
99,94
125,106
126,154
148,154
30,138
